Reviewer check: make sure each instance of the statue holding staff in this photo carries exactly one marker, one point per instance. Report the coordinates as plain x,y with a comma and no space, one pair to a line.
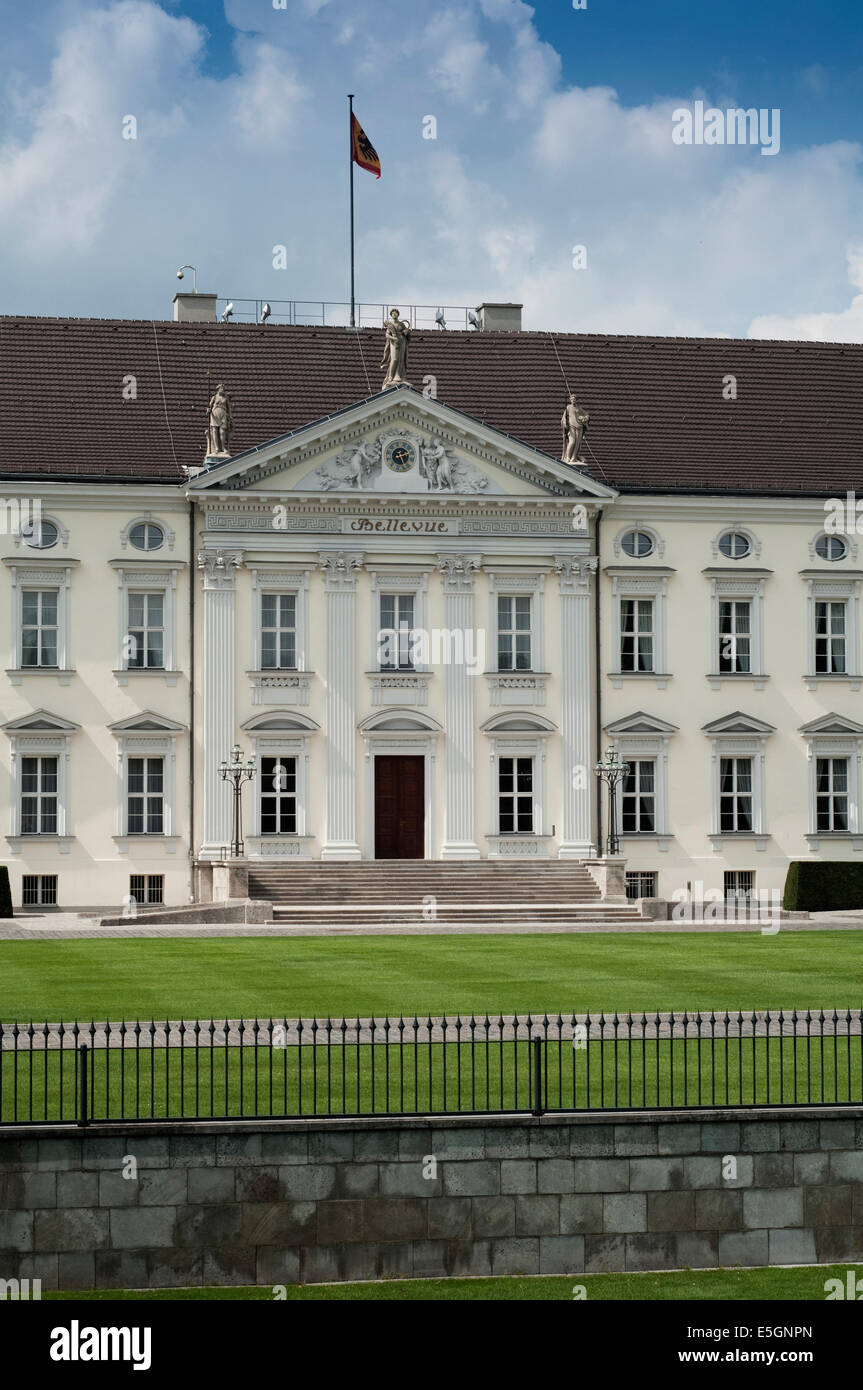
220,423
395,358
573,424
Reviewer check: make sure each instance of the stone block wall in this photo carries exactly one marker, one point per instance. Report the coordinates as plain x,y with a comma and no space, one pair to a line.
302,1201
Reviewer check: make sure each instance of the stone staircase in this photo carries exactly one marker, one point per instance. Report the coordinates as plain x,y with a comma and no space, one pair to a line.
417,892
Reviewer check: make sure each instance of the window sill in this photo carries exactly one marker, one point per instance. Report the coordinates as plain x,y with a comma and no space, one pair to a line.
661,678
662,839
758,838
284,685
125,842
16,673
716,678
833,678
517,844
279,846
814,840
517,687
122,677
63,842
404,687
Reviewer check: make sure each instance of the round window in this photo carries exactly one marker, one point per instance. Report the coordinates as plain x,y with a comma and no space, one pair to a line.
44,535
637,543
147,536
734,545
831,548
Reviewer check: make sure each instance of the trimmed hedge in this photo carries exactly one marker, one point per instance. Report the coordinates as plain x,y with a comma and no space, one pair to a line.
818,887
5,893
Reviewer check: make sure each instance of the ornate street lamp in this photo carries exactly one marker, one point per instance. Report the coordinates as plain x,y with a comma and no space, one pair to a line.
612,771
237,772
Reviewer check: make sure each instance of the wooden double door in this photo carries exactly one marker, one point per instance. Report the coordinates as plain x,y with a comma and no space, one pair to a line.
399,807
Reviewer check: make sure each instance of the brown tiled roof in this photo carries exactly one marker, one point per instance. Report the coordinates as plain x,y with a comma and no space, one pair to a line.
658,418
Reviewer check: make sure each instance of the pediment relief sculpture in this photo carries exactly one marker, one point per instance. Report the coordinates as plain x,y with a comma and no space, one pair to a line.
399,460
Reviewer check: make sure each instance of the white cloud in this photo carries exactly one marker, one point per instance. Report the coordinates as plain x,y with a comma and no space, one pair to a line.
679,239
846,326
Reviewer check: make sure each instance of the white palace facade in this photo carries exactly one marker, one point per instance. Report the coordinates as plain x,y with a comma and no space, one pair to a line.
422,630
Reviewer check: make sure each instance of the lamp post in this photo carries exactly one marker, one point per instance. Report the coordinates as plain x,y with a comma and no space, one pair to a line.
612,771
237,772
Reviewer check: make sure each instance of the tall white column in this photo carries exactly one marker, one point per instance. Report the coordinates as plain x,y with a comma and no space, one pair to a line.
219,734
577,771
459,760
340,581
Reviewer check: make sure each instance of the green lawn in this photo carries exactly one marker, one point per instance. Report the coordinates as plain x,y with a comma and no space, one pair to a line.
806,1283
278,976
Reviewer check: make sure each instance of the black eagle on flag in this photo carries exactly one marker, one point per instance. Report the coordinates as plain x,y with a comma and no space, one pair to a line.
364,152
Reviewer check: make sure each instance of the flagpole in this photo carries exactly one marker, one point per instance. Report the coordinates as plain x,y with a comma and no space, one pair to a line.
351,168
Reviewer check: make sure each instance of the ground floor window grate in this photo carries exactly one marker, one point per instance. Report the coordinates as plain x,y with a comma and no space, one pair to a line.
39,890
739,885
642,883
147,888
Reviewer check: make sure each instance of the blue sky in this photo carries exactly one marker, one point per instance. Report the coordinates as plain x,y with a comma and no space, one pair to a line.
553,131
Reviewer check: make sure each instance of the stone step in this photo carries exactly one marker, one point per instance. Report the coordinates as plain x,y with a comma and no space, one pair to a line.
465,891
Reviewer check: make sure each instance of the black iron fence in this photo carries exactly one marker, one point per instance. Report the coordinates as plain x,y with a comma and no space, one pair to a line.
98,1073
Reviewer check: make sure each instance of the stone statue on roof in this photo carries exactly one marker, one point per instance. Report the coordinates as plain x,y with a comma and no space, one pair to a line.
220,423
573,423
395,358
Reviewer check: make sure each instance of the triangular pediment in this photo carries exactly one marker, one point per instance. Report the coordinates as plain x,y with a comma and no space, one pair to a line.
832,724
146,722
40,721
640,723
400,442
738,723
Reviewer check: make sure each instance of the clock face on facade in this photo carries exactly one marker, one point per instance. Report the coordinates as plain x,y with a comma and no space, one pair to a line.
400,456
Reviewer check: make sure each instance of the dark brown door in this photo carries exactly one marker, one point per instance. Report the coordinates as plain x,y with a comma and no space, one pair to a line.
399,808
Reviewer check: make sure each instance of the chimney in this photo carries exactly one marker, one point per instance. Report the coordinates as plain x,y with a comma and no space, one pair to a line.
504,318
194,308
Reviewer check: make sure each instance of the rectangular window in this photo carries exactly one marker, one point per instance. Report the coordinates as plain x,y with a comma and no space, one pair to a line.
146,798
39,796
735,794
515,795
39,627
147,888
830,645
641,884
831,794
395,632
638,805
39,890
278,793
278,632
636,634
735,636
145,638
739,886
513,632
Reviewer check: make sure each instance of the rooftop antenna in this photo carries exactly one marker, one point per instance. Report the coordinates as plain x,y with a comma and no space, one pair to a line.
472,319
194,271
265,313
439,319
227,312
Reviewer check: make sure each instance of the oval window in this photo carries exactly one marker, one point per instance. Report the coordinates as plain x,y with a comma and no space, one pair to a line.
44,535
734,545
831,548
146,536
637,543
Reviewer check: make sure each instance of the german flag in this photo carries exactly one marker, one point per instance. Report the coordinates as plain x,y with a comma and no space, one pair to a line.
364,152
